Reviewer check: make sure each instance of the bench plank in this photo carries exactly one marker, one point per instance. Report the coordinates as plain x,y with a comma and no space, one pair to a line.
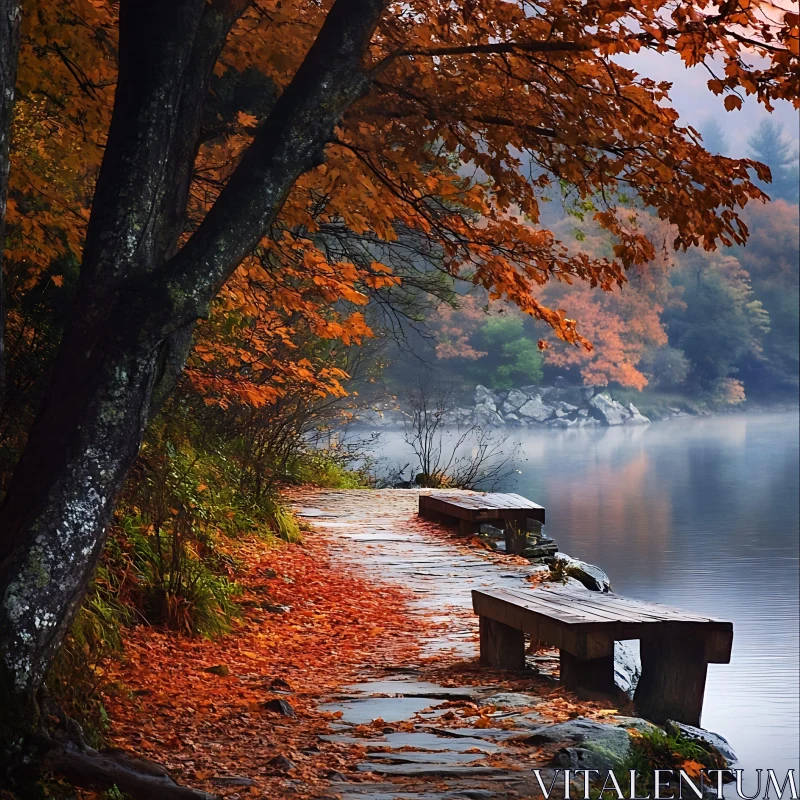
601,607
495,505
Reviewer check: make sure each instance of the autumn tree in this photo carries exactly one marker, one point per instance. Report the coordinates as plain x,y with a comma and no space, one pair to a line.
623,326
387,117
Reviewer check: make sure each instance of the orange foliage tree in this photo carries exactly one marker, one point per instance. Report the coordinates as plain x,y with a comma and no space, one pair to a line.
622,325
376,118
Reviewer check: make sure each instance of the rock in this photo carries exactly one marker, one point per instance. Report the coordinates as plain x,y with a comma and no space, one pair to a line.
573,395
413,688
592,745
541,550
232,780
589,575
274,608
573,583
510,700
513,419
704,737
589,422
514,401
440,757
218,669
536,410
425,771
563,422
627,668
280,706
637,418
280,764
637,723
483,395
485,414
609,411
567,408
458,416
365,710
493,533
585,758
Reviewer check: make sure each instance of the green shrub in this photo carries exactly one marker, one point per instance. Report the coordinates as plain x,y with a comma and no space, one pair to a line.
76,676
177,588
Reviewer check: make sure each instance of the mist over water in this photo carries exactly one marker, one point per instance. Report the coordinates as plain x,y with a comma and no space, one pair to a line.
700,513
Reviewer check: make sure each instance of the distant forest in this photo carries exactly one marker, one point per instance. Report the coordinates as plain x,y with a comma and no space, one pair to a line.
718,327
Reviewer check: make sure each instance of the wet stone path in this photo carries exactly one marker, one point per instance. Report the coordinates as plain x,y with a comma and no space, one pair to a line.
424,738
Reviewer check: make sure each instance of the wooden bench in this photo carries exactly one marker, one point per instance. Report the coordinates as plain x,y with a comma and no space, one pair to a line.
470,511
676,646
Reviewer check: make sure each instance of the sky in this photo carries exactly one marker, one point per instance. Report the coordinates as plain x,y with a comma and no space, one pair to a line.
696,104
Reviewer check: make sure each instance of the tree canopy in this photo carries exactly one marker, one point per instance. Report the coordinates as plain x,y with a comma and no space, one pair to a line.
278,163
464,119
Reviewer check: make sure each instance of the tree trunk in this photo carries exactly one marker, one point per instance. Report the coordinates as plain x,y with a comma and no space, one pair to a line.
10,18
138,300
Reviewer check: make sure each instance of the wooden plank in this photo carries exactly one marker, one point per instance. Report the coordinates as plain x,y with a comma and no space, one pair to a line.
605,601
488,502
542,626
568,612
449,509
482,600
568,623
591,612
651,608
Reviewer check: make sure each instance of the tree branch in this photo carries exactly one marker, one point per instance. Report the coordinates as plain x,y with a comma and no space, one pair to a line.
290,142
492,49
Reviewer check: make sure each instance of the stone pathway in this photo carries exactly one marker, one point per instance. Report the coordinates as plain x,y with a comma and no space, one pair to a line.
423,739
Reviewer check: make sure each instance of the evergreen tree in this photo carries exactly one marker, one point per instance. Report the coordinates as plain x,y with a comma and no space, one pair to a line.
714,137
768,145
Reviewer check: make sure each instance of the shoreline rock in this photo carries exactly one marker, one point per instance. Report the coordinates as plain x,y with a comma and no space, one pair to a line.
561,406
588,575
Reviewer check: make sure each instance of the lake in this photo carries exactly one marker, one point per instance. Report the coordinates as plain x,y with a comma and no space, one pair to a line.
700,513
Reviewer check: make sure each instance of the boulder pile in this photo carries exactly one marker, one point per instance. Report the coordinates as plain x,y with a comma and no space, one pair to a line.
559,406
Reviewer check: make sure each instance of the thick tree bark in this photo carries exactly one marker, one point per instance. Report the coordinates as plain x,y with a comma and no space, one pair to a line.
138,301
10,18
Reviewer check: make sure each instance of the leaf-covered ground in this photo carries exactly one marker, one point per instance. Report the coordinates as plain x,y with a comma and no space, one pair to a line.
171,704
370,591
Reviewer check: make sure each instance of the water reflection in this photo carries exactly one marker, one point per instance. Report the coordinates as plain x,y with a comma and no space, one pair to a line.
702,514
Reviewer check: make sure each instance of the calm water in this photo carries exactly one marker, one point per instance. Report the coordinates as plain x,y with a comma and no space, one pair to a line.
701,514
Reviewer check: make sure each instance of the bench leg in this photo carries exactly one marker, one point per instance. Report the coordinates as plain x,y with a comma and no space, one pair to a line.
673,680
595,675
502,646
